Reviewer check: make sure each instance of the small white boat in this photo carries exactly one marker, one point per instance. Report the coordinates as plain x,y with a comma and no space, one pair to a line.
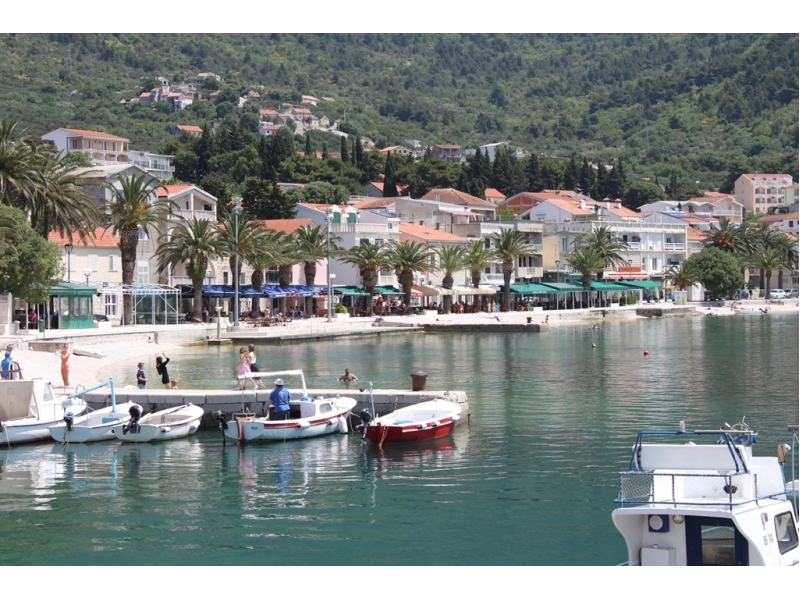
28,408
94,353
309,417
168,424
93,426
416,423
757,312
704,499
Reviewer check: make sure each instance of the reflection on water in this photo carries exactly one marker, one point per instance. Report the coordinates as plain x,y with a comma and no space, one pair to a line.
528,479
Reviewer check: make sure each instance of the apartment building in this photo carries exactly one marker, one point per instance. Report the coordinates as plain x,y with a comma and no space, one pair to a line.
759,192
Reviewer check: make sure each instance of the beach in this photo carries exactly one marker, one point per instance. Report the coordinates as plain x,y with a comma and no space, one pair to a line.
142,344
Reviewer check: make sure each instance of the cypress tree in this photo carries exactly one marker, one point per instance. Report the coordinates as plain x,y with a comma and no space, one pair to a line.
324,151
345,156
309,148
389,178
358,155
571,174
534,173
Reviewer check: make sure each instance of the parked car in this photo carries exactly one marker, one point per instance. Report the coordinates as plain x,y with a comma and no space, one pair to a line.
778,294
791,293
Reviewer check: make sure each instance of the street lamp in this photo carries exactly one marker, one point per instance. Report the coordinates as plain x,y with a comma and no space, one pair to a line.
558,270
237,210
87,271
328,219
68,248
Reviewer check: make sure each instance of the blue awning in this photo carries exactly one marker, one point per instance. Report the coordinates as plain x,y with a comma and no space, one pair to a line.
276,291
302,290
248,291
218,291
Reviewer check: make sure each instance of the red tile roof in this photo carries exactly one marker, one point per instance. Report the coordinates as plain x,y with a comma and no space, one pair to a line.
493,193
567,206
422,233
451,196
102,239
693,234
87,133
778,218
171,190
285,225
374,203
190,128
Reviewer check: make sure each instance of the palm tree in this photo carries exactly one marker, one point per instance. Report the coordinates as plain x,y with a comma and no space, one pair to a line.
59,202
312,245
788,248
509,245
766,238
723,237
588,261
407,258
451,259
606,245
240,240
370,259
132,210
681,276
769,260
261,257
287,256
193,242
477,258
49,191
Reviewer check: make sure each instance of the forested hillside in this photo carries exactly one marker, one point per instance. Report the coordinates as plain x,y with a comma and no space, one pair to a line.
691,107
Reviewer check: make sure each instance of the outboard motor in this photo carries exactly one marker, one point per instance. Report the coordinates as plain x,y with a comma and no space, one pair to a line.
69,419
366,418
223,422
135,412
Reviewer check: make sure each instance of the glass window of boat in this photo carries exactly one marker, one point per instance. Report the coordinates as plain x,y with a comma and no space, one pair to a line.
325,408
719,544
786,532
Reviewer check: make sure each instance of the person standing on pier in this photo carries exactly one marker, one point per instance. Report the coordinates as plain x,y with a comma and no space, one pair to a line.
161,369
64,354
279,398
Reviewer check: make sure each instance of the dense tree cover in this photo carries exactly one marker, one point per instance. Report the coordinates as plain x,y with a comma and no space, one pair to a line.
30,264
701,106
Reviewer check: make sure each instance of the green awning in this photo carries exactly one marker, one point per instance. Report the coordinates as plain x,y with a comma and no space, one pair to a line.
641,285
388,290
599,286
349,290
563,288
527,289
68,288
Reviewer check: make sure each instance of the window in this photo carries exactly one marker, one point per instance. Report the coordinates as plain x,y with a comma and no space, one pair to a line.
242,279
655,264
143,234
113,263
363,241
91,261
207,207
111,305
143,272
564,244
379,242
224,278
786,532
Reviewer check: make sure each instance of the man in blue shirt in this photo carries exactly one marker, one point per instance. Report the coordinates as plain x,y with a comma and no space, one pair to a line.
5,366
279,398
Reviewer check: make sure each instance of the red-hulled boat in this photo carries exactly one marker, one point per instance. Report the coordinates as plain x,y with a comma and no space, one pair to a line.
424,421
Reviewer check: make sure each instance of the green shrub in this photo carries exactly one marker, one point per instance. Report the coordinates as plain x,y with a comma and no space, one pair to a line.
340,308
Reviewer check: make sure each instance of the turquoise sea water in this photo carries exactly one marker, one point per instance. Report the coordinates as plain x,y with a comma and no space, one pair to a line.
530,480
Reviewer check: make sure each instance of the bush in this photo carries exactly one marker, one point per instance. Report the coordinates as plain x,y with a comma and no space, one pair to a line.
340,308
623,300
631,299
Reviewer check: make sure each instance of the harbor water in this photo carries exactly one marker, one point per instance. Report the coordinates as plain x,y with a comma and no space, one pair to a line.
530,479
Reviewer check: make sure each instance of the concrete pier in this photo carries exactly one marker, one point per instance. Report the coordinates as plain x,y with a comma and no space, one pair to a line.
257,401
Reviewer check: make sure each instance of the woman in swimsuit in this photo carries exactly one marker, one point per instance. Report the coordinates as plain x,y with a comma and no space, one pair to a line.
64,354
244,369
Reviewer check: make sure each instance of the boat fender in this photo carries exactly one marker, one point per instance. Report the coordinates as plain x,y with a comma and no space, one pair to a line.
456,418
303,423
342,425
165,429
421,426
193,428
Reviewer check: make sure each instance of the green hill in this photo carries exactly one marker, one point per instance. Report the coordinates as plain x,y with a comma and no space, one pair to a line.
698,105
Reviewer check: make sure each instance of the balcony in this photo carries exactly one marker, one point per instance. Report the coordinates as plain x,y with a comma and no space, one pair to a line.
199,214
674,246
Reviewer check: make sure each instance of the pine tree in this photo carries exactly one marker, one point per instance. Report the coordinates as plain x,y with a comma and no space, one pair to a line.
389,183
309,148
571,174
345,156
358,155
324,151
587,180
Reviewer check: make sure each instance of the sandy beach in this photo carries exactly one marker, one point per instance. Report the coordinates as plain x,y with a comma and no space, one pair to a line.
86,371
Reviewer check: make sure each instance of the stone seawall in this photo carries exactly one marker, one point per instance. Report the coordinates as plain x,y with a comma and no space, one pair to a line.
665,311
487,327
231,401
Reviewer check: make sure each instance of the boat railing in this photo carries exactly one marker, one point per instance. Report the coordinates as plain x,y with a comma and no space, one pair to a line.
699,489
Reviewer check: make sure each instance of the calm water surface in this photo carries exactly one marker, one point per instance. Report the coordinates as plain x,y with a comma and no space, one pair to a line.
530,480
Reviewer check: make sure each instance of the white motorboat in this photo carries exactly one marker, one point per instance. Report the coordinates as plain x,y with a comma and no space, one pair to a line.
753,312
28,408
93,352
168,424
308,417
704,499
93,426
